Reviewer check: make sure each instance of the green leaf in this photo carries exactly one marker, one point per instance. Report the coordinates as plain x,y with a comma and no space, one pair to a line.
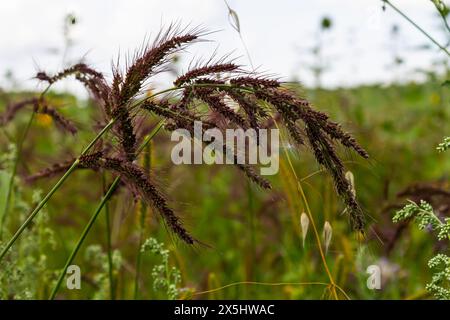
4,185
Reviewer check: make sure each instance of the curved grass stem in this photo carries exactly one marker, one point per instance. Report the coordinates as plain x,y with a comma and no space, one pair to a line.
426,34
333,285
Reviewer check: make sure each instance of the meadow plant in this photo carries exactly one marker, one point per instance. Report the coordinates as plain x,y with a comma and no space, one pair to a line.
96,257
165,277
425,217
123,106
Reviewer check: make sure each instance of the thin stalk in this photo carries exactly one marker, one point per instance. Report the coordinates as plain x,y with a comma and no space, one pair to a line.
251,211
426,34
313,224
96,213
270,284
14,172
108,244
143,211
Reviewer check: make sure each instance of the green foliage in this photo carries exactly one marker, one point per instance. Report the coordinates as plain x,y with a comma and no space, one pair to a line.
426,218
445,145
164,276
439,284
97,258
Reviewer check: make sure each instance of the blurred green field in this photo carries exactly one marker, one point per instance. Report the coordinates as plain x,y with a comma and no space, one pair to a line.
250,235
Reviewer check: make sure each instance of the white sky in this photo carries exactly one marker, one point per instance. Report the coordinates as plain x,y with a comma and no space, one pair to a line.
279,34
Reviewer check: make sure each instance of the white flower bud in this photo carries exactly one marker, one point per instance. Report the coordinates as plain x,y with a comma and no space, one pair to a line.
327,234
304,223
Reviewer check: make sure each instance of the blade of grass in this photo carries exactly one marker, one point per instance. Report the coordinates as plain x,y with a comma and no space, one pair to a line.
143,211
108,244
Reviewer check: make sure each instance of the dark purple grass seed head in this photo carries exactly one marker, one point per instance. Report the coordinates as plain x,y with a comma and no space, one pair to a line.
79,68
207,70
257,96
145,64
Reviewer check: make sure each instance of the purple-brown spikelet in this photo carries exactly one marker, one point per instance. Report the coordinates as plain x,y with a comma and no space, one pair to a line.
135,176
294,131
61,122
252,175
39,106
99,89
319,132
50,172
13,108
127,136
250,106
114,98
204,71
180,116
150,59
326,156
255,82
88,161
79,68
215,102
246,169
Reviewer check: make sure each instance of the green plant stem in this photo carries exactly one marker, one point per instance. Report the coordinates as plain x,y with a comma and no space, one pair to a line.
143,211
14,172
83,236
112,287
302,194
417,27
96,213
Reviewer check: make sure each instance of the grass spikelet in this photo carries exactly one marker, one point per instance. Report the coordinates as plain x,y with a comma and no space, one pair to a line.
79,68
151,57
138,178
215,102
258,82
61,122
204,71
